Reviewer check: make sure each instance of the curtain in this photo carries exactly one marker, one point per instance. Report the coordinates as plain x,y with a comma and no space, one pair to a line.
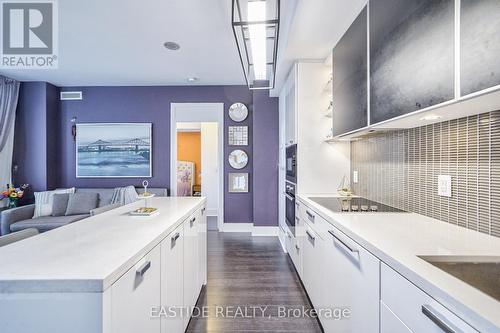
9,93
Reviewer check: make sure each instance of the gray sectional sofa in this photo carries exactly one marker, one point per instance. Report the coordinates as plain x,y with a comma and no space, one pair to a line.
21,218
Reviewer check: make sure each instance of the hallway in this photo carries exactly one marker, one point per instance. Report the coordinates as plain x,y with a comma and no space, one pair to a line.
251,285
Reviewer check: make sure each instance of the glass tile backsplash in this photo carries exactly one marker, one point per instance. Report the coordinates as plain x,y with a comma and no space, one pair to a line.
401,169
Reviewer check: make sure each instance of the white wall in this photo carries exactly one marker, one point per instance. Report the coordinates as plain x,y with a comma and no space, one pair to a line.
209,167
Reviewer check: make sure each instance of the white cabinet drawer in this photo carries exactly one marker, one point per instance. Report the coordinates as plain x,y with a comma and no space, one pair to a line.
172,293
133,295
417,310
312,265
390,323
350,280
314,221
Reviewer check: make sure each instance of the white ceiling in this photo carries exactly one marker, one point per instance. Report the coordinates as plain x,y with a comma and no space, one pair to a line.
117,42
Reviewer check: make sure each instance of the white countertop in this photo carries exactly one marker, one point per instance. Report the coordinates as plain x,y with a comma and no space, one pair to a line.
399,238
91,254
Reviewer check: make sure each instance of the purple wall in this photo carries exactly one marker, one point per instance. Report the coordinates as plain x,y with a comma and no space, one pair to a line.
265,152
36,134
145,104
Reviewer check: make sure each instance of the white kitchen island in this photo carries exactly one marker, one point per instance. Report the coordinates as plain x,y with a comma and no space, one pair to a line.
109,273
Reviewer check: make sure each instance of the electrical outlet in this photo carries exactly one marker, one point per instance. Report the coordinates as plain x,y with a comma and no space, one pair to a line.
444,185
355,177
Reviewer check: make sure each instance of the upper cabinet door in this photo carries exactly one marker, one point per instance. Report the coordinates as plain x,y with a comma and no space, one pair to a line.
411,56
350,78
480,45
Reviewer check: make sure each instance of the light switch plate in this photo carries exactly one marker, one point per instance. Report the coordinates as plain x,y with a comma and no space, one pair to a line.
355,177
444,185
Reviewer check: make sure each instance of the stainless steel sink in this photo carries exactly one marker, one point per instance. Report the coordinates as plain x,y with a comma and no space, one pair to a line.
482,273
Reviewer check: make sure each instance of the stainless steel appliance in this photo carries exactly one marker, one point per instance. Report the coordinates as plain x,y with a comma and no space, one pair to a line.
290,206
291,163
354,205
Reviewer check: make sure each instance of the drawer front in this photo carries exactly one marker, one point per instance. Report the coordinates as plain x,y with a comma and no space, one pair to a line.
172,293
350,280
312,265
390,323
295,254
417,310
133,295
314,221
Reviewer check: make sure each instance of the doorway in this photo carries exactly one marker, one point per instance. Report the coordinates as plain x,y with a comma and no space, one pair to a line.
196,167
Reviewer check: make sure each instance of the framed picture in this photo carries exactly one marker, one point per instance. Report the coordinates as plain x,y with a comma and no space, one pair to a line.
238,182
238,135
119,150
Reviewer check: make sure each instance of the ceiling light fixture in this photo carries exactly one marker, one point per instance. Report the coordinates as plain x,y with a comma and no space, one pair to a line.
192,79
431,117
256,30
171,46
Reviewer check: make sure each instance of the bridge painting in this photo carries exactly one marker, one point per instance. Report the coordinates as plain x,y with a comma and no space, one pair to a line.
114,150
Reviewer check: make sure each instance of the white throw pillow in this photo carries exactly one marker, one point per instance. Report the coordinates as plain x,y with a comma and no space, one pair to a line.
44,201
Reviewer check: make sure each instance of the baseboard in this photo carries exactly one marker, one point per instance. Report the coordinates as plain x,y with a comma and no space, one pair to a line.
265,231
249,227
237,227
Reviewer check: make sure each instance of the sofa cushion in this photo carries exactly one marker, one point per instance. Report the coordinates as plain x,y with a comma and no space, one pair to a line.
46,223
59,204
43,201
105,194
81,203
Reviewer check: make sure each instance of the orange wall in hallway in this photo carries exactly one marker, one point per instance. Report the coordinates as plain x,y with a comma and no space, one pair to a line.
189,149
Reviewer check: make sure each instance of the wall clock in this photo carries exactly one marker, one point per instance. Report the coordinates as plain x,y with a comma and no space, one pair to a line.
238,159
238,112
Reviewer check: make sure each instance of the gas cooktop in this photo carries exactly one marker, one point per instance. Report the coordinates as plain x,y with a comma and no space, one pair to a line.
354,205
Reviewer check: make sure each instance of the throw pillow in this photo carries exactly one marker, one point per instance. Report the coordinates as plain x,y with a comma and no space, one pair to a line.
59,204
43,201
82,203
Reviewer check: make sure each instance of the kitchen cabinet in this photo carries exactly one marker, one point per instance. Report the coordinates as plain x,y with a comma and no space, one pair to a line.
202,247
312,265
350,66
133,295
417,310
191,260
172,292
390,323
412,56
291,108
479,45
350,279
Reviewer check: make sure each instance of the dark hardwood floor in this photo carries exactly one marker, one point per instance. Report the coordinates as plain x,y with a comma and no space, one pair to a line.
252,287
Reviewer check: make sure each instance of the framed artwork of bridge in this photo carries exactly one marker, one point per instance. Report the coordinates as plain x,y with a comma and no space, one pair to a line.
119,150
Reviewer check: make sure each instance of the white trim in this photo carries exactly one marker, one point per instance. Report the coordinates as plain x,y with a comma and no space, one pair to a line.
198,112
237,227
250,228
265,231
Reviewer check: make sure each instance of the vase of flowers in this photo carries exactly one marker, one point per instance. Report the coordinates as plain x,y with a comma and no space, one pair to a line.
13,194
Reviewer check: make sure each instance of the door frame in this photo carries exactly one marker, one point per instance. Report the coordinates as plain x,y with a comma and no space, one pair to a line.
198,113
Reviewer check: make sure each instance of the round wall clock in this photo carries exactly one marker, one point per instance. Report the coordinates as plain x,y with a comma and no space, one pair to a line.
238,112
238,159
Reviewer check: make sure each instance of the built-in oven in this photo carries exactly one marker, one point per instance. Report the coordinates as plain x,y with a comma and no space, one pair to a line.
291,163
290,206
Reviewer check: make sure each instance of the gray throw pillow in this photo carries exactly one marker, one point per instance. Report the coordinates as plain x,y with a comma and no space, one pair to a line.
59,204
82,203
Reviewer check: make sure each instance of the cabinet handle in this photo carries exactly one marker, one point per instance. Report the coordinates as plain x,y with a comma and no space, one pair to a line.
310,236
310,216
440,320
350,249
203,210
192,221
289,235
175,237
297,247
143,269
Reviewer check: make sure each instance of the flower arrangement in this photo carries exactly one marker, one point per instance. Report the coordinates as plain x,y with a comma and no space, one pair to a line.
13,194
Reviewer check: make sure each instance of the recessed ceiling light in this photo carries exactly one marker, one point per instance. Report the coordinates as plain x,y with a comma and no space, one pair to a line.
431,117
192,79
171,46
